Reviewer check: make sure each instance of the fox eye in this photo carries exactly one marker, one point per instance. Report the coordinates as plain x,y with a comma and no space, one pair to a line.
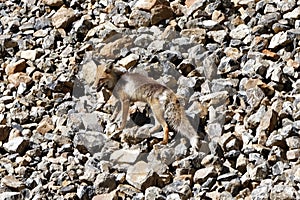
107,71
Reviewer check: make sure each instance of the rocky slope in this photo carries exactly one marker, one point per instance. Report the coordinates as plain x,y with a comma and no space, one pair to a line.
234,63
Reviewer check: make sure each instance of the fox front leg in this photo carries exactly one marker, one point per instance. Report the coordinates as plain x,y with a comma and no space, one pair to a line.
116,112
160,121
125,108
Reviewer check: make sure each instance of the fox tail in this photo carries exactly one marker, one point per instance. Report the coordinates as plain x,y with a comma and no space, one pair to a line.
178,120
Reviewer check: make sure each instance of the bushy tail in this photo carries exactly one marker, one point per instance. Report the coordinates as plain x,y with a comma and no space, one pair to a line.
177,118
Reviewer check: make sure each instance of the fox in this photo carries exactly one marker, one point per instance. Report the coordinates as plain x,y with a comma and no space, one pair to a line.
128,87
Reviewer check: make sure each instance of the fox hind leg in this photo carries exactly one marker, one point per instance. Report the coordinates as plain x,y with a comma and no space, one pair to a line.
160,121
125,108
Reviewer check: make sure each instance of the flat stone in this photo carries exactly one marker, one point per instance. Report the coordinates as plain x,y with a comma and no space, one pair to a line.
89,141
55,3
129,61
142,176
139,18
63,17
29,54
280,39
240,32
201,175
12,182
294,14
10,196
147,5
16,145
125,156
112,50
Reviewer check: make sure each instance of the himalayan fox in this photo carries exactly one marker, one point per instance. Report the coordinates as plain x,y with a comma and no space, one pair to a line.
131,87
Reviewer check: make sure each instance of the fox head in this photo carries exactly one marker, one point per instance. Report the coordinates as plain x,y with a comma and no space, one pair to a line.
106,76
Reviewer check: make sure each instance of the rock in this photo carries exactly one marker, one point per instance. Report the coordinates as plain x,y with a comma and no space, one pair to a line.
12,182
63,17
89,141
45,125
16,145
142,176
29,54
292,142
269,19
105,183
159,13
10,195
147,5
19,77
227,65
55,3
240,32
258,172
4,132
153,192
294,14
284,192
125,156
18,66
139,18
110,196
261,192
293,154
279,39
113,49
129,61
201,175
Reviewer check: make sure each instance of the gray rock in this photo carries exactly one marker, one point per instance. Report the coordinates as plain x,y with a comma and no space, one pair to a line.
154,193
123,156
16,145
240,32
105,183
201,175
284,192
142,176
293,142
89,141
10,195
227,65
280,39
139,18
269,19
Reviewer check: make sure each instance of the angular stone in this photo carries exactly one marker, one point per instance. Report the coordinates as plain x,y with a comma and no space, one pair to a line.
45,125
55,3
280,39
89,141
18,66
12,182
293,142
125,156
129,61
284,192
218,36
295,14
201,175
227,65
154,193
16,145
197,33
139,18
4,132
63,17
293,154
142,176
268,121
29,54
19,77
240,32
269,19
159,13
259,172
11,196
147,5
113,49
110,196
105,183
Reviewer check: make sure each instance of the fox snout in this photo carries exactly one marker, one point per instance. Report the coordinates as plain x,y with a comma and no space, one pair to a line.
98,84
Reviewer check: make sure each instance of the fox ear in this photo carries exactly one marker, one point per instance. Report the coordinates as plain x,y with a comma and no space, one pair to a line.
108,68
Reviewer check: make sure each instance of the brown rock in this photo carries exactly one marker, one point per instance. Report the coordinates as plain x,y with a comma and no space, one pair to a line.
159,13
147,5
12,182
18,66
110,196
19,77
112,49
45,125
63,17
55,3
4,132
139,18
